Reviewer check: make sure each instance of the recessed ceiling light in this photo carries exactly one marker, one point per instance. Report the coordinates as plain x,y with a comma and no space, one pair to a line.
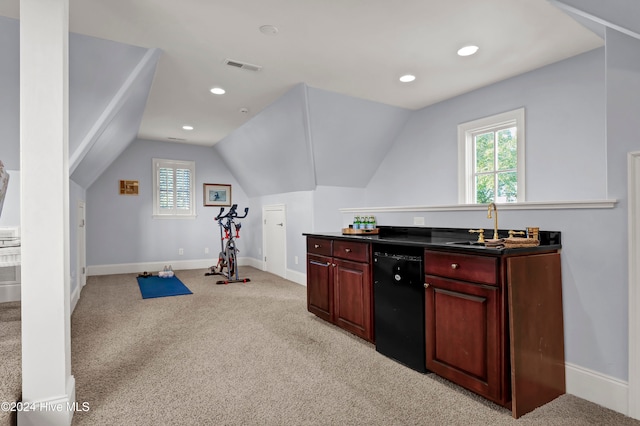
269,30
218,91
467,50
407,78
186,127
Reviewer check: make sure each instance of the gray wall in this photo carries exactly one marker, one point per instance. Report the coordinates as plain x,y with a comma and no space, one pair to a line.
299,219
11,209
623,130
565,138
10,93
571,155
120,228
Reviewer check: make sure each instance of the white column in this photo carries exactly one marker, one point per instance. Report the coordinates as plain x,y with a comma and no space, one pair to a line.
47,382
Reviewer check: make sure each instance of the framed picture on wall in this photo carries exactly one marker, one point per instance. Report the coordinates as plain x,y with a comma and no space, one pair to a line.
216,194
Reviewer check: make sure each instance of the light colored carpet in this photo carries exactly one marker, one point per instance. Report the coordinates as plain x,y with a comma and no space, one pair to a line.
251,354
10,349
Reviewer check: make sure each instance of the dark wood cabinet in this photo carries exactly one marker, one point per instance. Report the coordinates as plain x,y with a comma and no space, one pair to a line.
352,297
320,286
486,317
463,335
493,319
339,284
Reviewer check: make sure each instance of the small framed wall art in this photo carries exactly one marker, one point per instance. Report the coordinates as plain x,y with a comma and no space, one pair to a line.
216,194
128,187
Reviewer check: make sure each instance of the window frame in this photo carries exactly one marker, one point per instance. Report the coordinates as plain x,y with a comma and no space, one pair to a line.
174,213
466,152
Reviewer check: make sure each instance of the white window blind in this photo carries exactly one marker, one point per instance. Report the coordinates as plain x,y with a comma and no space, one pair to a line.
174,188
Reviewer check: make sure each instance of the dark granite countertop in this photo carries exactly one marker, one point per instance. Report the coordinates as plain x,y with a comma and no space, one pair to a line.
449,239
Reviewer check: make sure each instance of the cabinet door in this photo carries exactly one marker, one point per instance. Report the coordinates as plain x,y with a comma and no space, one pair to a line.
320,286
352,297
462,334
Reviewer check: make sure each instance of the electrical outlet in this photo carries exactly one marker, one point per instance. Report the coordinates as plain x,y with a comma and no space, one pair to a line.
206,250
180,251
295,259
418,220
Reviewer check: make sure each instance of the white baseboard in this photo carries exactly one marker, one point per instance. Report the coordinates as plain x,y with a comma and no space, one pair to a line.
75,296
10,292
251,261
291,275
130,268
297,277
598,388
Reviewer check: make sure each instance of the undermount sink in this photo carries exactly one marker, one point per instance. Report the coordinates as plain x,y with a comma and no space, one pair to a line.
467,243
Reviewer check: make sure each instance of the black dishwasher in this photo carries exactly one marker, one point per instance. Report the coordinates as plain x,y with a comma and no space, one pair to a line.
399,307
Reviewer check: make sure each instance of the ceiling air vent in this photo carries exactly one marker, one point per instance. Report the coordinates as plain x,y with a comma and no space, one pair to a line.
242,65
176,139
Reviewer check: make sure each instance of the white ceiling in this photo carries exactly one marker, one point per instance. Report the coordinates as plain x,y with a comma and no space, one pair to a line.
355,47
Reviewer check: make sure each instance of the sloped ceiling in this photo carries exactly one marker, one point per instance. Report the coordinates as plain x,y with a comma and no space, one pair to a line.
621,15
97,70
350,136
116,127
311,137
271,153
109,84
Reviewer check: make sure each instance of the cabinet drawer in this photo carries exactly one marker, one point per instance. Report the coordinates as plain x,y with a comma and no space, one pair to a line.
321,246
480,269
349,250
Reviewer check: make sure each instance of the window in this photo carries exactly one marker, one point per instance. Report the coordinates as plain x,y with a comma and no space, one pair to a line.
173,191
491,159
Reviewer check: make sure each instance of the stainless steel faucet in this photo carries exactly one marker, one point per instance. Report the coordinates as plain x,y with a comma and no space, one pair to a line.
495,219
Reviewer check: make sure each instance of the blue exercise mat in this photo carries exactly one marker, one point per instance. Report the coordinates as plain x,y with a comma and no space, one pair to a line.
154,286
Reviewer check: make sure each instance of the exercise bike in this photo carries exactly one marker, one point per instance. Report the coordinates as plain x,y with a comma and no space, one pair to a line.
228,256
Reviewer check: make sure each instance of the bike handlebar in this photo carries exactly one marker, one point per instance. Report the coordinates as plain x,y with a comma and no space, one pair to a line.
232,213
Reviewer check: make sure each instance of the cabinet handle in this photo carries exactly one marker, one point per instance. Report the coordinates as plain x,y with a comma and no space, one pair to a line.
454,266
426,285
317,245
334,265
348,250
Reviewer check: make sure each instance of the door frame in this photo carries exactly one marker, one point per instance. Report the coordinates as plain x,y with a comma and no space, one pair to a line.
273,207
82,244
633,188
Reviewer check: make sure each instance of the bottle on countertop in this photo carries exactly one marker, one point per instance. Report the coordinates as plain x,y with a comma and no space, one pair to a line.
369,222
356,222
373,222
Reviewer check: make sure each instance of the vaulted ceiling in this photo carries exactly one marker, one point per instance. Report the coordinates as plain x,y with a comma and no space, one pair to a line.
358,48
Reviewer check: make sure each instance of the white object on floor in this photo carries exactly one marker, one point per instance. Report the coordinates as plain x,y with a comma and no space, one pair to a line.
167,272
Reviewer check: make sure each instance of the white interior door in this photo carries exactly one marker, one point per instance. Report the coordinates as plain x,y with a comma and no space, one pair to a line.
274,239
82,244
